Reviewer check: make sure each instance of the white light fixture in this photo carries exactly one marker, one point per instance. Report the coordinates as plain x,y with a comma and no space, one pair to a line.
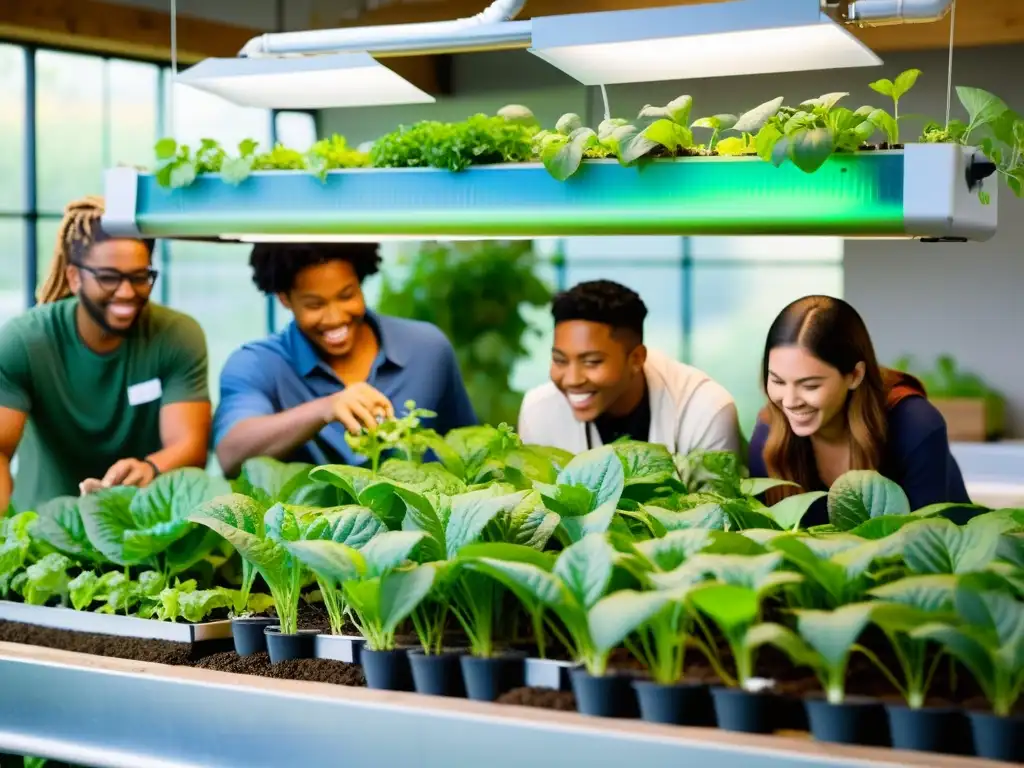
304,82
743,37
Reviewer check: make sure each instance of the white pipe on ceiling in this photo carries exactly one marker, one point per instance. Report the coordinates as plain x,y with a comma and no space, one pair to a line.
881,12
491,28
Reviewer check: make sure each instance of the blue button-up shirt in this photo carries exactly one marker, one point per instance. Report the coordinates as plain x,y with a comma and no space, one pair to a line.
415,362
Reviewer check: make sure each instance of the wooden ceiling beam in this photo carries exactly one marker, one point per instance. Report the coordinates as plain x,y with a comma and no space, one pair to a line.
978,22
96,26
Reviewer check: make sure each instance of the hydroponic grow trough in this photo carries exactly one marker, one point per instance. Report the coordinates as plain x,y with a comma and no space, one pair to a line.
113,712
925,190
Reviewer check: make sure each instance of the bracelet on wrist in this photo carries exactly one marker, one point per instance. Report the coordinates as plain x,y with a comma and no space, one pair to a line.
156,469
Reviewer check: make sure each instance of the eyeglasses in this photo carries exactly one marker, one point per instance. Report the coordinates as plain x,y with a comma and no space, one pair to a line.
110,279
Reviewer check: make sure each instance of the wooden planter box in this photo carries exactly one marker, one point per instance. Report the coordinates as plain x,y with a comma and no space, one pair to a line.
971,419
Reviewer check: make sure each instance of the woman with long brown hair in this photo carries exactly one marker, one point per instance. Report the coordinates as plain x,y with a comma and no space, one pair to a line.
832,408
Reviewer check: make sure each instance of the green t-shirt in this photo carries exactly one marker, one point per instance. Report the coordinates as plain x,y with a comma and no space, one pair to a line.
86,410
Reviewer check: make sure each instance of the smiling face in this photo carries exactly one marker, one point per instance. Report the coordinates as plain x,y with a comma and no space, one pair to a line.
595,369
113,283
328,305
810,392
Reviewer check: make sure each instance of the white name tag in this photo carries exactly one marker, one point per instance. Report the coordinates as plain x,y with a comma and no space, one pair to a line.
146,392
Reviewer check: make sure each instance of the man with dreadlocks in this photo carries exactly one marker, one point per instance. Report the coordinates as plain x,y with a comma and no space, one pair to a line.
97,387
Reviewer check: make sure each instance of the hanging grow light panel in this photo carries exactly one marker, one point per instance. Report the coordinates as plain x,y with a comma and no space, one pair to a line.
926,191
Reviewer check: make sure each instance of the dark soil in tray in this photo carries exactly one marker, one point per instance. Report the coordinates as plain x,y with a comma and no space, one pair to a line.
160,651
310,670
542,698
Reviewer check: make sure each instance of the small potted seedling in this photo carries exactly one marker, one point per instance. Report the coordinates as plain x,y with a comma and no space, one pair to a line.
380,590
989,641
260,538
824,641
905,605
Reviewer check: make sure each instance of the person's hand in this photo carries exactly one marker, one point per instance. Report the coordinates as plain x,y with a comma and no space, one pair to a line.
358,406
129,472
90,485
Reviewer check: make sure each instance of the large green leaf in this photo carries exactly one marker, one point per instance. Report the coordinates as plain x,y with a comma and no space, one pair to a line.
562,156
174,495
755,119
731,607
755,486
757,572
1011,549
927,593
599,470
351,525
646,463
401,592
982,107
809,148
833,633
620,614
531,584
586,568
106,515
471,512
420,515
329,560
351,480
389,550
60,525
269,481
710,516
862,494
940,546
881,527
671,551
789,512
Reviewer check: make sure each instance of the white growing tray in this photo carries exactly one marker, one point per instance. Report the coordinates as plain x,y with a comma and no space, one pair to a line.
109,624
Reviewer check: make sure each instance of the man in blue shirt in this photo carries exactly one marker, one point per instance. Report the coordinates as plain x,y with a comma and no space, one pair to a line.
336,367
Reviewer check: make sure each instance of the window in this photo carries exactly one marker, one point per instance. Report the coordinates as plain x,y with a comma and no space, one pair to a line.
12,128
69,128
12,276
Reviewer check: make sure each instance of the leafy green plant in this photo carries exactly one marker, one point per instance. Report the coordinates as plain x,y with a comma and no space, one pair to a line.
989,642
810,134
906,605
562,150
896,90
151,526
380,590
478,294
823,641
260,535
669,126
716,124
479,140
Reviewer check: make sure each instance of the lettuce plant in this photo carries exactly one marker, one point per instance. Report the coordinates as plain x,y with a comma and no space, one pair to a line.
586,493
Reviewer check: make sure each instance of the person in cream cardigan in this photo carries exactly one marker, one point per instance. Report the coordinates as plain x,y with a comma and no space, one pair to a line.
605,384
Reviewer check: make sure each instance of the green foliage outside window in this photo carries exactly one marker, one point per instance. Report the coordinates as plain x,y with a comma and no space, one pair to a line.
475,292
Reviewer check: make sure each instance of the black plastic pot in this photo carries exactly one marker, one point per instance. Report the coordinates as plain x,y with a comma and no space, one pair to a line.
998,738
930,729
438,675
248,635
854,721
387,670
487,679
606,696
679,704
745,712
301,645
